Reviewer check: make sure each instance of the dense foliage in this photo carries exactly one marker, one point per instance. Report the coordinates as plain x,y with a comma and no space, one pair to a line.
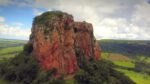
25,70
142,67
47,17
100,72
28,48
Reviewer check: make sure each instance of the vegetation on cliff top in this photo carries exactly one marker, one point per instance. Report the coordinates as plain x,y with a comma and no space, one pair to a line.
48,17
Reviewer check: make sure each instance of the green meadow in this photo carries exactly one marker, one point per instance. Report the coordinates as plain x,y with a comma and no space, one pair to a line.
139,78
10,52
6,43
124,64
118,59
127,62
9,48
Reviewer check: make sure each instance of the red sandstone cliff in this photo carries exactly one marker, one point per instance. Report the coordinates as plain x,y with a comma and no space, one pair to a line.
55,39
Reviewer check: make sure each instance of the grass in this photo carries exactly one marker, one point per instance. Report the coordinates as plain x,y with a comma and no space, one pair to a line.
5,43
143,59
141,42
3,58
139,78
126,47
2,81
125,61
104,55
118,59
70,81
11,50
115,57
147,60
127,64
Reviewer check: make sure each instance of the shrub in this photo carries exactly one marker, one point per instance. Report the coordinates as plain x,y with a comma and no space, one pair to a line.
28,48
142,67
25,70
21,68
48,17
100,72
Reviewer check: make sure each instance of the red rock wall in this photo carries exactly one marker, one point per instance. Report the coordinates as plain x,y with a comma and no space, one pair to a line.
54,43
56,49
85,40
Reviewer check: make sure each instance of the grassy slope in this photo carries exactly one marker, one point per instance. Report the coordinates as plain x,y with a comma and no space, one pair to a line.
139,78
5,43
8,48
137,51
10,52
119,59
126,47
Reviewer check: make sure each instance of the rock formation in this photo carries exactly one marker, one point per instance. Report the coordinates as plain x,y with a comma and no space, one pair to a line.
56,40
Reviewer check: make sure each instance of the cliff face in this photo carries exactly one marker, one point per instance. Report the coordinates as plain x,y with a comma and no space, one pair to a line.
85,40
57,39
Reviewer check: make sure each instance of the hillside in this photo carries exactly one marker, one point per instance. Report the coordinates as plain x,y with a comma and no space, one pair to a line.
9,48
126,47
5,43
130,57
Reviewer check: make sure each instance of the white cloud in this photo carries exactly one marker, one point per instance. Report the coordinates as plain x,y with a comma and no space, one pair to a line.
111,19
141,16
18,24
17,3
36,11
2,19
81,9
14,32
115,19
7,31
119,28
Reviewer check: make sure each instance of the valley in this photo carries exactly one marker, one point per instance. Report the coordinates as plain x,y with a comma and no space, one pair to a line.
134,65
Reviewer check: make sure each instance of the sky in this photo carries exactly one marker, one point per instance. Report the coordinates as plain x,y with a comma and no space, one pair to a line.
111,19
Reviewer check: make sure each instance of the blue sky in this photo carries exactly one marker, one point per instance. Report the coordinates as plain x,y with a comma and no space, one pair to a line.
111,19
13,14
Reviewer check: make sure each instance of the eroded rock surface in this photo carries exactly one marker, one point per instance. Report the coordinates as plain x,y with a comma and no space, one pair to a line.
56,39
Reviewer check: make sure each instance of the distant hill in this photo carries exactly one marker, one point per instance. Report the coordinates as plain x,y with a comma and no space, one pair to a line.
5,43
126,47
10,47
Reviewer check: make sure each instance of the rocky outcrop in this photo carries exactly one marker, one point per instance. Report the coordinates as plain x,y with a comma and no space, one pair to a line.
85,41
56,40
